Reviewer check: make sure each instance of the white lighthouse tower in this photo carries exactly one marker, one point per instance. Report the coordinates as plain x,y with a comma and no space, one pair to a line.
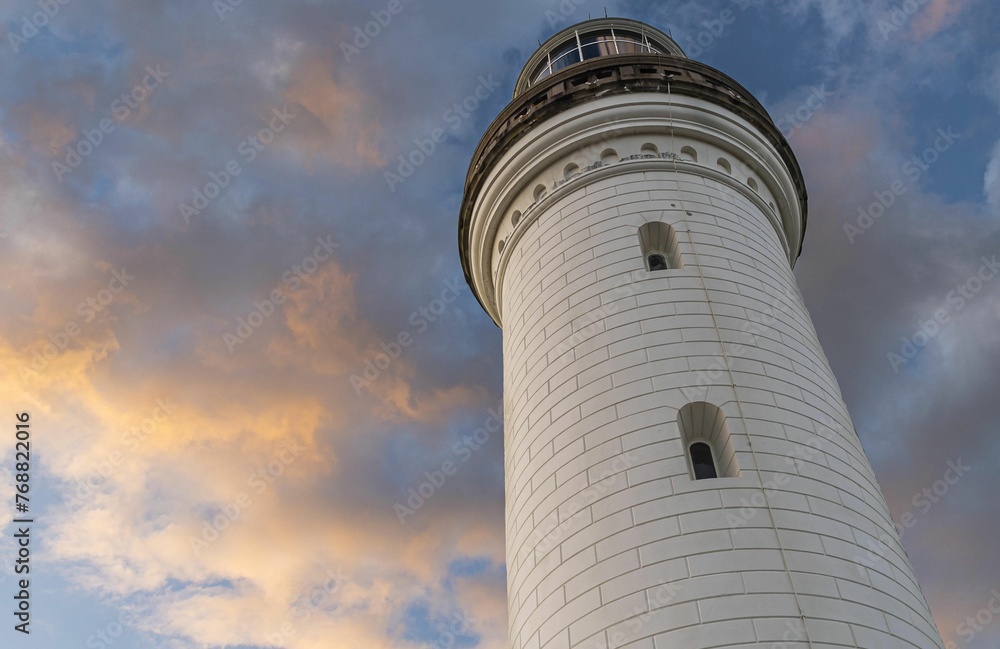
681,470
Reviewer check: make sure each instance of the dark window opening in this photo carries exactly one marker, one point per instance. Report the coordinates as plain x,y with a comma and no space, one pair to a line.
657,240
657,262
701,460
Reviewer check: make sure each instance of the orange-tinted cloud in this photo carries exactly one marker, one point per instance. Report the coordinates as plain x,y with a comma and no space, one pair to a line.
235,490
936,16
50,133
341,123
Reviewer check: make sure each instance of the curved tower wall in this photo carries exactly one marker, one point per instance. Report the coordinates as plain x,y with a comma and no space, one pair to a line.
611,542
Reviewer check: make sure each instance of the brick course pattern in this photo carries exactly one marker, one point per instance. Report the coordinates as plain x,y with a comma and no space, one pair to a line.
610,540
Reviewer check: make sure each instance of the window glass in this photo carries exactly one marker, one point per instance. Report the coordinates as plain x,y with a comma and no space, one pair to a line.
629,44
701,460
657,262
595,45
565,56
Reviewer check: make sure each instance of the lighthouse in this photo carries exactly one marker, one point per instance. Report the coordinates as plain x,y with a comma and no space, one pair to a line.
681,469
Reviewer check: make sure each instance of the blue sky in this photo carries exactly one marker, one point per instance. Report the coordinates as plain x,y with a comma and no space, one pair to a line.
269,432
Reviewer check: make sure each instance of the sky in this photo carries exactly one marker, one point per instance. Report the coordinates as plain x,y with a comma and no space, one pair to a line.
242,334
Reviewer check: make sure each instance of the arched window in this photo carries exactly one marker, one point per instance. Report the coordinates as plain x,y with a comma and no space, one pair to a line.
649,149
659,246
688,153
724,165
706,438
608,157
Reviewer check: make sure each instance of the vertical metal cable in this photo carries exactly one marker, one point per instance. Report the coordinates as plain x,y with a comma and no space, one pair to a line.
729,369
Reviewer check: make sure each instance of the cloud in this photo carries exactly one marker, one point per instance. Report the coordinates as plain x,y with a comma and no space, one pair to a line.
143,488
991,179
340,124
48,133
267,453
937,16
868,297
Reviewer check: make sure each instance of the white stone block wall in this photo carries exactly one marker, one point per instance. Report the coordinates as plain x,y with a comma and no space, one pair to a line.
610,541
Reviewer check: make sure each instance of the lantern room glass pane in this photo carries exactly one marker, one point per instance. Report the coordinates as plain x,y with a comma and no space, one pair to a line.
594,45
597,44
565,56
